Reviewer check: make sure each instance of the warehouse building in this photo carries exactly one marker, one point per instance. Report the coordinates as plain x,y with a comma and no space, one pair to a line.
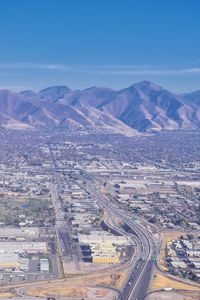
102,237
24,264
103,246
23,247
19,233
9,262
44,265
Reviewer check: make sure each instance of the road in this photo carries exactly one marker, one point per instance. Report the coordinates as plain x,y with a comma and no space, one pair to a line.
138,283
60,221
65,243
63,238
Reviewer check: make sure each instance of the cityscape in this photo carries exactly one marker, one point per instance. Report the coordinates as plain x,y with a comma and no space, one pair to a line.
82,219
99,150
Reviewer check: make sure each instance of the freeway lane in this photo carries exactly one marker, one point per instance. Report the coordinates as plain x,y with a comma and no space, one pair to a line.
137,286
141,288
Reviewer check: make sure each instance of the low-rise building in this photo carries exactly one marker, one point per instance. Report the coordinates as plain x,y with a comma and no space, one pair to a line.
44,265
23,247
9,262
17,233
103,246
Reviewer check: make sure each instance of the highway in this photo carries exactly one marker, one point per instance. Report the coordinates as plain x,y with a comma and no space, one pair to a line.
141,270
140,275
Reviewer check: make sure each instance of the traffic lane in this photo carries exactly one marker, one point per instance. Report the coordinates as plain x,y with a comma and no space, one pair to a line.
65,242
142,285
132,280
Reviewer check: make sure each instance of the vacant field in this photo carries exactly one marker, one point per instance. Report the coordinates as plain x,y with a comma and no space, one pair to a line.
69,292
57,291
160,282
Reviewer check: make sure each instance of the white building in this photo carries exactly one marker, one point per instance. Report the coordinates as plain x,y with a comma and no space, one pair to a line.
44,265
14,233
23,247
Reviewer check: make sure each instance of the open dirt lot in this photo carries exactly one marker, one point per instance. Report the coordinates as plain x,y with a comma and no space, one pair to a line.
160,282
174,295
89,293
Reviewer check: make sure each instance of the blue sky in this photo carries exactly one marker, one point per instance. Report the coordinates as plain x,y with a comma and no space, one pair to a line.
82,43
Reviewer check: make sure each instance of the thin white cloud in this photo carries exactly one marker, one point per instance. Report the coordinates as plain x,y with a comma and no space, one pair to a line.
143,70
191,71
14,66
129,70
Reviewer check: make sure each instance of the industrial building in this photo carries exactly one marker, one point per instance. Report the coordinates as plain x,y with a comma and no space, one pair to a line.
19,233
23,247
103,246
44,265
9,262
24,264
102,237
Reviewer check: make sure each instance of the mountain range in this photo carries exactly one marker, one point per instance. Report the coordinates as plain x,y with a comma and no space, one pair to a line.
144,107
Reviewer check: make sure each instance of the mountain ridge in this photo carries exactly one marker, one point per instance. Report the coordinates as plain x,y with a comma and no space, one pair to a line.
143,107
